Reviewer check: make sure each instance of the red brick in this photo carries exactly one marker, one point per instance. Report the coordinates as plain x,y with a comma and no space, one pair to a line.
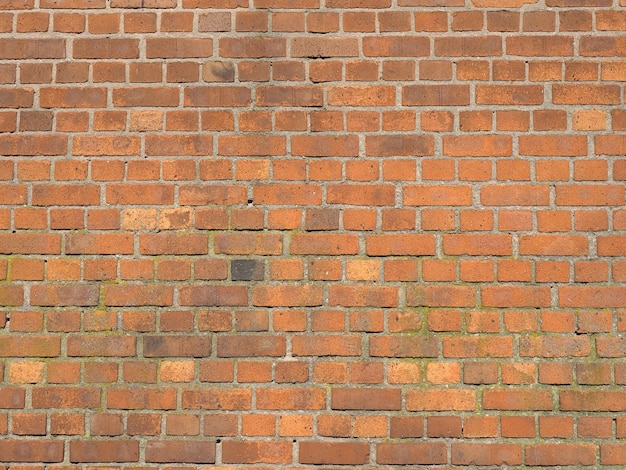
33,145
217,97
176,346
474,347
511,399
361,95
561,454
252,47
11,296
64,397
220,425
480,426
486,454
291,399
287,296
398,145
333,453
182,244
99,244
325,146
468,46
138,295
23,49
403,346
324,47
88,345
441,296
312,243
246,146
32,451
588,194
437,195
178,48
440,400
516,95
275,452
435,95
396,46
180,451
361,195
553,146
106,48
179,145
483,244
515,195
213,295
216,399
411,453
555,347
17,98
585,94
64,295
242,346
291,194
33,424
145,97
141,398
400,244
361,296
99,451
13,398
477,146
326,345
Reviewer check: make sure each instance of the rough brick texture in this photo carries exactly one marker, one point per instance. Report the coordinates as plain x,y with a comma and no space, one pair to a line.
309,234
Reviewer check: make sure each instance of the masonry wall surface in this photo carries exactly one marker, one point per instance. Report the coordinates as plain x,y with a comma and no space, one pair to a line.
312,234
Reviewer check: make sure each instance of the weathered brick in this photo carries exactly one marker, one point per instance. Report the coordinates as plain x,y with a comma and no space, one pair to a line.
337,453
404,346
396,46
92,345
83,295
33,145
66,397
106,48
324,47
214,296
244,346
411,453
435,95
561,454
441,400
32,451
176,48
30,346
141,398
326,345
486,454
99,451
276,452
398,145
477,146
217,399
27,49
187,451
138,295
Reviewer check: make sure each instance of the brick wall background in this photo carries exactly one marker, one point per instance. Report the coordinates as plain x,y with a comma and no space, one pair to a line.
303,233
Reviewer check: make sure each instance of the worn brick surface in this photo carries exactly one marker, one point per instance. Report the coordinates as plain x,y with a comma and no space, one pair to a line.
312,234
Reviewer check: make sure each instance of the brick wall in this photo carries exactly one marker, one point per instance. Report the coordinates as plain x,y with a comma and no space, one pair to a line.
311,233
